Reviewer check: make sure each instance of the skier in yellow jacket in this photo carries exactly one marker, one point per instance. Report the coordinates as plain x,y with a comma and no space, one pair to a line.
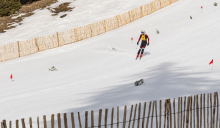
145,41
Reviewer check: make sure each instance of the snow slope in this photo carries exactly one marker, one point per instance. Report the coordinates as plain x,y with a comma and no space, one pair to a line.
85,12
91,75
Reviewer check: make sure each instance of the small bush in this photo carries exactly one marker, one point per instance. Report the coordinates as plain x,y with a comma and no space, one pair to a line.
215,4
8,7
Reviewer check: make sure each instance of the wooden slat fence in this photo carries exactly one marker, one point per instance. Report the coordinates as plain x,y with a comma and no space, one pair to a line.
32,46
192,112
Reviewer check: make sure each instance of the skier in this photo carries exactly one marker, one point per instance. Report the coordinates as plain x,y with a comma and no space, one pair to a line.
144,42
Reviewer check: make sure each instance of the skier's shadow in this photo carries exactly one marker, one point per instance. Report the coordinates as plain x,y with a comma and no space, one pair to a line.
146,53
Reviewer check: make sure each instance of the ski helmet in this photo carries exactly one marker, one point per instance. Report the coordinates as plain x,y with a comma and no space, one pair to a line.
142,31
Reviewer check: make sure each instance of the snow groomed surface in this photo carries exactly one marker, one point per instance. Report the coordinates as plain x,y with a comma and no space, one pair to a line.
92,76
58,39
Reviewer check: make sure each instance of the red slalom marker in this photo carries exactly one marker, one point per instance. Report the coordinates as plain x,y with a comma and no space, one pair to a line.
211,63
201,7
132,38
11,76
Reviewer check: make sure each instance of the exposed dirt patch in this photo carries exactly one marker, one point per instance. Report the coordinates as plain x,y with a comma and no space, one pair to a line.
63,16
9,22
61,8
36,5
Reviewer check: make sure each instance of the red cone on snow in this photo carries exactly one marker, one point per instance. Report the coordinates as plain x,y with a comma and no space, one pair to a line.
132,38
11,76
201,7
211,62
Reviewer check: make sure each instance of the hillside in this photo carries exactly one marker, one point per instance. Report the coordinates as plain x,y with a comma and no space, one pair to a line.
91,75
42,23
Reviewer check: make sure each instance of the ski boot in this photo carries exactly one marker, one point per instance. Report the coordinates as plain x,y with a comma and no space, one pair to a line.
137,56
140,56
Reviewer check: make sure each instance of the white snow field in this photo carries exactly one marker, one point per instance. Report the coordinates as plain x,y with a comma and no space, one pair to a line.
92,76
85,12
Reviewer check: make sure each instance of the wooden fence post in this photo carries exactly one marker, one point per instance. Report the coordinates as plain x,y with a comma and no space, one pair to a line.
191,112
92,119
156,114
112,116
197,110
100,118
204,108
130,116
148,116
117,117
211,110
184,109
73,121
170,114
59,120
124,118
23,123
17,123
38,124
4,124
160,113
143,115
194,113
165,113
65,120
38,49
181,120
52,121
178,115
152,115
174,117
216,94
139,115
90,30
187,112
76,36
30,122
200,110
18,49
117,21
45,121
134,115
213,125
80,125
58,41
106,117
10,124
104,25
86,119
208,110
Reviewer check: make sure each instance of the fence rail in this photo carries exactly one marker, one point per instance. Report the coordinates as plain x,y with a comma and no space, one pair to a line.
191,113
32,46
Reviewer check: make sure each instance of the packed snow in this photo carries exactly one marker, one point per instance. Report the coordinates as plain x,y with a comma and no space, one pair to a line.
92,75
84,12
